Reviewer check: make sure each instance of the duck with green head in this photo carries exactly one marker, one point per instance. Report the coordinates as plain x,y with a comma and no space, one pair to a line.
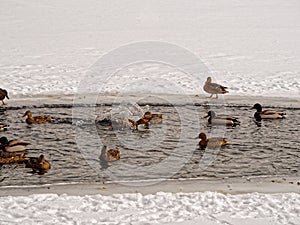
14,145
12,151
221,119
267,114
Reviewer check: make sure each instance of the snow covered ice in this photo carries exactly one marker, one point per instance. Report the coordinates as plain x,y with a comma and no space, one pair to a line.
161,208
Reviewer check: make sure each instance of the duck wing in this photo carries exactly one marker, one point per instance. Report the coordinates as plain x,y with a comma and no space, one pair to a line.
271,112
215,88
16,142
40,119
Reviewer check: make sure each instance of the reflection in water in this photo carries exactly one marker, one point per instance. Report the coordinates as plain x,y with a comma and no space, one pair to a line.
255,148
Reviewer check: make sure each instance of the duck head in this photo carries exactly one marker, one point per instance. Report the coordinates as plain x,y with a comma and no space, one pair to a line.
27,113
202,136
3,141
258,107
208,80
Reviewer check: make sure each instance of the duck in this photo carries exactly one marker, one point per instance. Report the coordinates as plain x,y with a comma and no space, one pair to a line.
11,157
13,146
3,127
147,117
3,95
109,155
38,164
156,118
212,142
36,119
266,114
213,88
221,119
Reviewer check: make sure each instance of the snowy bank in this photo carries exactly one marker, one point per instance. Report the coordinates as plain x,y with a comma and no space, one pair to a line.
159,208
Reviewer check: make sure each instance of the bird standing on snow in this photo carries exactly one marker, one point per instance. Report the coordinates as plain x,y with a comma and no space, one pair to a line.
3,95
213,88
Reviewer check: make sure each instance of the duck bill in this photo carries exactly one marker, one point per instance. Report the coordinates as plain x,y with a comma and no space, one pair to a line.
7,97
206,116
24,115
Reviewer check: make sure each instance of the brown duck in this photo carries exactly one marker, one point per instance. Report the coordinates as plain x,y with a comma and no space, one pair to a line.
213,88
36,119
109,155
38,164
3,95
212,142
147,117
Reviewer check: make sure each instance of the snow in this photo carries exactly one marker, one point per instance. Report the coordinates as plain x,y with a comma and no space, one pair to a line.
159,208
252,47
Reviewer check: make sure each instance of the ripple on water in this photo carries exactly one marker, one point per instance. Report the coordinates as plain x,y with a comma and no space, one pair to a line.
272,149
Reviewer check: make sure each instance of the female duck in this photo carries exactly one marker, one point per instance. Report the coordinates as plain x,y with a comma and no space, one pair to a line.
266,114
221,120
147,118
109,155
38,164
213,88
3,95
36,119
13,145
212,142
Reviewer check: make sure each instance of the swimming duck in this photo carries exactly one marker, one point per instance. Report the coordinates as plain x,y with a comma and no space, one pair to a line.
3,95
212,142
213,88
3,127
221,119
15,145
147,117
266,114
109,155
39,164
36,119
11,157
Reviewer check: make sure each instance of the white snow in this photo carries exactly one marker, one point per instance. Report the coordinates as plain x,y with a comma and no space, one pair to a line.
159,208
47,47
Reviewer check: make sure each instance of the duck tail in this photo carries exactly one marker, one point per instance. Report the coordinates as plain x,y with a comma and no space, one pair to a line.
133,123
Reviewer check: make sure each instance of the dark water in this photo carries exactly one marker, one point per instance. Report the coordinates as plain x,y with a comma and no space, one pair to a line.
166,150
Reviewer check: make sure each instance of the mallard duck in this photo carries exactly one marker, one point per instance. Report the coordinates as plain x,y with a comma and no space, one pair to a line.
3,95
146,119
36,119
212,142
11,157
221,119
13,145
267,114
3,127
213,88
156,118
109,155
39,164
